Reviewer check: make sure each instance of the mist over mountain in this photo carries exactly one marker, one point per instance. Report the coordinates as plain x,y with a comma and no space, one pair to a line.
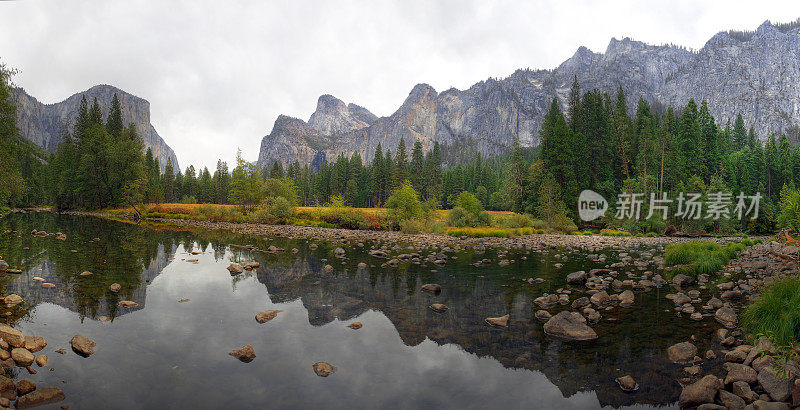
755,74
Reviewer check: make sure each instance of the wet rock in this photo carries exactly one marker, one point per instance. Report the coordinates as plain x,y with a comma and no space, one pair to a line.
731,401
682,280
542,315
41,396
626,298
35,343
438,308
714,303
683,352
25,386
739,372
41,360
432,288
576,278
115,287
4,354
710,406
501,321
546,300
22,356
731,295
7,388
12,336
600,298
778,388
580,303
323,369
82,345
742,389
626,383
267,315
569,325
763,345
244,353
735,356
591,315
700,392
235,269
355,325
12,300
127,304
726,316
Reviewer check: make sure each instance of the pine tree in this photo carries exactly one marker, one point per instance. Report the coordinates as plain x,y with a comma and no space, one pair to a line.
401,164
417,168
168,181
221,182
114,123
739,133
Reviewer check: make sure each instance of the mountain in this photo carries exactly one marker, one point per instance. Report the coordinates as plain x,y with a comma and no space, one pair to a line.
753,73
42,124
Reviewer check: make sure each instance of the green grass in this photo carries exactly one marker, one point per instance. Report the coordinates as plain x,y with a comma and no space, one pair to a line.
700,257
776,314
613,232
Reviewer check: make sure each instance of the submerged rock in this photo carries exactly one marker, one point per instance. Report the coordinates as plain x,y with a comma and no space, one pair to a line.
543,315
726,316
25,386
323,369
576,278
44,395
570,326
626,383
82,345
244,353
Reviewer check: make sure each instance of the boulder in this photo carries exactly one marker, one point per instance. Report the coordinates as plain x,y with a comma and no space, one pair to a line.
25,386
739,372
7,388
580,303
22,356
726,316
323,369
570,326
543,315
244,353
700,392
35,343
779,388
12,336
731,401
626,298
735,356
683,352
82,345
626,383
267,315
600,298
12,300
742,389
41,396
576,278
769,405
501,321
681,280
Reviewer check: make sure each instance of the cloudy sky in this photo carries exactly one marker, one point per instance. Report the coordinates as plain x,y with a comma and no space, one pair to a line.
218,73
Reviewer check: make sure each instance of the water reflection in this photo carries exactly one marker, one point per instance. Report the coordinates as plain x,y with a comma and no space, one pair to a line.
167,354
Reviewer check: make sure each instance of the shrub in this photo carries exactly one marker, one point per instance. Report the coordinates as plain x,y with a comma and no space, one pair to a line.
188,199
701,257
514,220
280,208
790,209
776,315
468,211
404,204
412,226
613,232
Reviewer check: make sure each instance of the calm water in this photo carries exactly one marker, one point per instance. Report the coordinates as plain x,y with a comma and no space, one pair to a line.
166,354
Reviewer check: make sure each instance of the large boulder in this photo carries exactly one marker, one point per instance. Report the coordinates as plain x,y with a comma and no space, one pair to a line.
570,326
22,356
769,405
726,316
700,392
82,345
683,352
779,388
731,401
738,372
626,298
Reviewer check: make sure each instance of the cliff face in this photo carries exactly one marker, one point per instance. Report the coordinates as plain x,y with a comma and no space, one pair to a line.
43,123
755,74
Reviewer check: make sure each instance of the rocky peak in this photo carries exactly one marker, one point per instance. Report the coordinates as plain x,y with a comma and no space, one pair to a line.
332,116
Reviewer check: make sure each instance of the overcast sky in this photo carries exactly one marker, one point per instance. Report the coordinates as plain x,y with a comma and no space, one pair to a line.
218,73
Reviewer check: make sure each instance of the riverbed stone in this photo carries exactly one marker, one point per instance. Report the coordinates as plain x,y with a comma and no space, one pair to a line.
25,386
726,316
777,387
323,369
731,401
580,303
12,300
22,356
700,392
82,345
626,298
501,321
739,372
44,395
576,278
543,315
35,343
682,280
742,389
569,325
683,352
12,336
736,356
267,315
769,405
244,353
41,360
600,298
627,383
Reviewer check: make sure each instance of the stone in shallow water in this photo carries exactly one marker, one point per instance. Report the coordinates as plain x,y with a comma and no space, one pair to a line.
432,288
267,315
35,343
115,287
41,396
501,321
12,336
235,269
244,353
323,369
683,352
41,360
82,345
570,326
739,372
12,300
22,357
355,325
700,392
543,315
25,386
626,383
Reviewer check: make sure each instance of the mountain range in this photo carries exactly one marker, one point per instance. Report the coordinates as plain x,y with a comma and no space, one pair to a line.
752,73
43,124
